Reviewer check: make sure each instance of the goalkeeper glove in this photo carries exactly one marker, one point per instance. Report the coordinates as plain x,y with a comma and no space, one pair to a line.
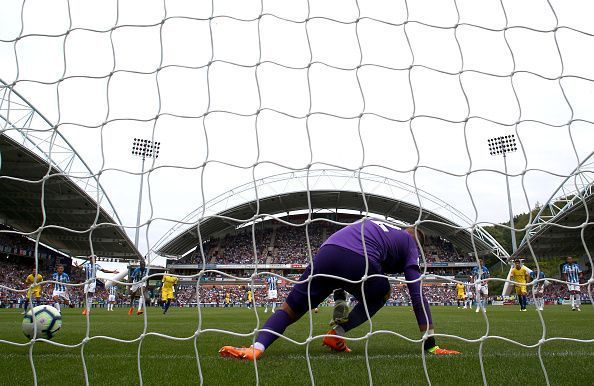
340,313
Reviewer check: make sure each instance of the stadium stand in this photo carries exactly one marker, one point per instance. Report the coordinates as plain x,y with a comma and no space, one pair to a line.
16,262
238,249
276,244
288,245
13,275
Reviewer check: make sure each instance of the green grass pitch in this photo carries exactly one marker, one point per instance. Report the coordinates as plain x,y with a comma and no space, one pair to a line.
392,359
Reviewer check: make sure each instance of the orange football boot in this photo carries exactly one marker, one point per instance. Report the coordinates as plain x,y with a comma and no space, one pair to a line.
247,353
442,351
335,343
131,310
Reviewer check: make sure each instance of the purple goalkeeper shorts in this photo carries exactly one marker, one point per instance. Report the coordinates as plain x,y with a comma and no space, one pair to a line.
341,262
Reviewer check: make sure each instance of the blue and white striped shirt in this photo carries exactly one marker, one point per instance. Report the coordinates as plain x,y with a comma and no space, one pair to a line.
573,272
113,290
138,274
62,278
540,276
271,283
485,272
91,270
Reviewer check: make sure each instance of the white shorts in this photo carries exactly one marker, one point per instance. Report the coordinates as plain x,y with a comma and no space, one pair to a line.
573,287
111,298
61,294
90,287
483,289
272,294
135,287
469,295
539,288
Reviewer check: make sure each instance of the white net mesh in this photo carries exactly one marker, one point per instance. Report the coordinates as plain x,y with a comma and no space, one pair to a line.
243,90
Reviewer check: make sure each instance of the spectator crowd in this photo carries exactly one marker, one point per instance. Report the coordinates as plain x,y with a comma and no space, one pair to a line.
13,275
280,245
288,245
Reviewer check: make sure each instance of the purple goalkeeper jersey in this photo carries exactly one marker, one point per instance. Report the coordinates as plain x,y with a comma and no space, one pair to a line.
388,248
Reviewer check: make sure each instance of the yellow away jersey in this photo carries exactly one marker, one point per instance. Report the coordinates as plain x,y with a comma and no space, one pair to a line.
31,279
519,275
169,282
460,288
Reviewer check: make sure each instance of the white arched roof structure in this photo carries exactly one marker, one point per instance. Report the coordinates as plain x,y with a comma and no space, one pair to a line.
328,189
557,228
40,165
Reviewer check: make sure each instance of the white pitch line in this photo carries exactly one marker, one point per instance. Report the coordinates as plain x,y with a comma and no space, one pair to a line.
350,357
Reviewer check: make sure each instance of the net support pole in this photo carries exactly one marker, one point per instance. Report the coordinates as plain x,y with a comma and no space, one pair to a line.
509,205
503,145
143,148
140,206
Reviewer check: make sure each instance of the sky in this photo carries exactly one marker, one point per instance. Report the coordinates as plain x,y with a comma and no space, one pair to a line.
305,79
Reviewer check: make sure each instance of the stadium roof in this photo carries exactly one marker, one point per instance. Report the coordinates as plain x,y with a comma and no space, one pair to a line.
39,165
557,228
220,215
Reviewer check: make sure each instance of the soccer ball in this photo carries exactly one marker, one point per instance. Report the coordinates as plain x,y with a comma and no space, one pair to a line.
48,321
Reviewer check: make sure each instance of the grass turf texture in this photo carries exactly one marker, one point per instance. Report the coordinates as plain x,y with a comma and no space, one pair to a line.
392,359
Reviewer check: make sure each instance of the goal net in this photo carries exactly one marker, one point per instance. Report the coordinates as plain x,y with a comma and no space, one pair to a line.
229,92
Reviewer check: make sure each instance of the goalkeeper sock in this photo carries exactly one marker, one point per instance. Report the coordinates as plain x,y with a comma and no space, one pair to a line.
278,322
167,305
430,341
358,315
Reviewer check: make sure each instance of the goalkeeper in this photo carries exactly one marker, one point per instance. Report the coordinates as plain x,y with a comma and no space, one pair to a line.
388,249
